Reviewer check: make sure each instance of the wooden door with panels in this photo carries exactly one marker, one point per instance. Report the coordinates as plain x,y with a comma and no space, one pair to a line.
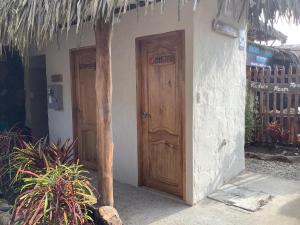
160,91
83,63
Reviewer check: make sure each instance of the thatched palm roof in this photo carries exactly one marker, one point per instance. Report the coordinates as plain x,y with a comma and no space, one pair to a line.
265,33
26,22
271,10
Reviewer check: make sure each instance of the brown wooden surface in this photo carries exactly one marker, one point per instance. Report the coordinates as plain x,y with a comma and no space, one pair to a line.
160,88
84,100
103,35
277,92
98,60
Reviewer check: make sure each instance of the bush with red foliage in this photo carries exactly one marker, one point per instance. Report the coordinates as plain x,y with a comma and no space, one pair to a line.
277,133
59,196
35,156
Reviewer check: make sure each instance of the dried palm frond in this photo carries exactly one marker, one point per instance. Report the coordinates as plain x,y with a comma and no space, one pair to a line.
35,22
269,11
25,23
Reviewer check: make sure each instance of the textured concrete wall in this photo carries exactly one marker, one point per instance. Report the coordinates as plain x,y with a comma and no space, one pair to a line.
214,84
124,83
218,104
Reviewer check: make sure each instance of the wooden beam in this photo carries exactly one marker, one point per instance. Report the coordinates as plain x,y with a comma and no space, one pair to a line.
103,33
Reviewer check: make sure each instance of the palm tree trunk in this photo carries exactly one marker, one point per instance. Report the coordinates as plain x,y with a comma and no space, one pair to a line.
103,33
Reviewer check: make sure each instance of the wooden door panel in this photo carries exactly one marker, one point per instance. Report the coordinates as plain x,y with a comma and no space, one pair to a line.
87,97
87,141
84,101
164,163
162,97
161,112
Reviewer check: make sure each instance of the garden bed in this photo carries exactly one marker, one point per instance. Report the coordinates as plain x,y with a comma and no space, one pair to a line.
280,153
290,171
43,176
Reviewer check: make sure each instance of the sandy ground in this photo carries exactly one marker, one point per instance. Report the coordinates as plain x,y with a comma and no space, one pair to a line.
140,206
289,171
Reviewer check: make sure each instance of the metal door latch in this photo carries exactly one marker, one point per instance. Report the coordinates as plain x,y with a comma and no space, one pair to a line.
146,115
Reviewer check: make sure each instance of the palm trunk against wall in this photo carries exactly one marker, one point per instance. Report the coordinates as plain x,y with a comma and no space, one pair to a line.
103,33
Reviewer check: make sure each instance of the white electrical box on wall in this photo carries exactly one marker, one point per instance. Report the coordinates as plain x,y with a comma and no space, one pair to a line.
55,97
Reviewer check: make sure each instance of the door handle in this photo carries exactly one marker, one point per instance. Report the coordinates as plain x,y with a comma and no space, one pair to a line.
79,112
146,115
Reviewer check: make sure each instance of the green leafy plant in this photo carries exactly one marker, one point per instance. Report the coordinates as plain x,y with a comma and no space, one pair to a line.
31,157
249,116
38,157
8,141
59,196
62,152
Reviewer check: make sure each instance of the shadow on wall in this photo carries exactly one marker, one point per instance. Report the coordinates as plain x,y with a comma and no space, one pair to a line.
223,55
229,162
219,81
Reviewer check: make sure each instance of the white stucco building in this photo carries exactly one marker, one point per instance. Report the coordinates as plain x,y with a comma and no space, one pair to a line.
181,77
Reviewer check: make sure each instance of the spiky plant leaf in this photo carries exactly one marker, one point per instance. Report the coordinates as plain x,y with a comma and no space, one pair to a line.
58,196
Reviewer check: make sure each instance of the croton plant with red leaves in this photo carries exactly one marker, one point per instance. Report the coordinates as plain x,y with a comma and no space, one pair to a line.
277,133
59,196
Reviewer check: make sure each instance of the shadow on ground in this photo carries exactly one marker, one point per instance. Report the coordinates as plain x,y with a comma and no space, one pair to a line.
140,206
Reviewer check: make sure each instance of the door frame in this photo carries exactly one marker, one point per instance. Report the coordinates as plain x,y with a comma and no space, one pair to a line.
139,91
72,53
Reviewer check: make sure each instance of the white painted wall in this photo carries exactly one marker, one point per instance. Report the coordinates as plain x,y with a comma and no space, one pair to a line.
218,104
214,72
124,83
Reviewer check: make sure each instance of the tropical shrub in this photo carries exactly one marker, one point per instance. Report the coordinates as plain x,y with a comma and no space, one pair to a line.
61,152
277,133
31,157
249,116
7,142
59,196
38,157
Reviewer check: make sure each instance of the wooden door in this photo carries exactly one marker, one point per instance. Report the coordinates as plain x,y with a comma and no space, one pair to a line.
84,104
161,111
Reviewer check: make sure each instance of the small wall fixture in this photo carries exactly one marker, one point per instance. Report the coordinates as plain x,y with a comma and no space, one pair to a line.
225,28
55,78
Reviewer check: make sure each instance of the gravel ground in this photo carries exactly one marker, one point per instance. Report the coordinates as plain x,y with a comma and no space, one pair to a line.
289,171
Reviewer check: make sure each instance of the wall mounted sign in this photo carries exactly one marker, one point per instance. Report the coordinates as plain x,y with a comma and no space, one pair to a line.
162,59
242,41
280,88
225,28
56,78
86,66
258,56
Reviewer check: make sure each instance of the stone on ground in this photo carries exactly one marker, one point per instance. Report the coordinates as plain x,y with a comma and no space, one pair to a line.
4,218
106,215
241,197
4,206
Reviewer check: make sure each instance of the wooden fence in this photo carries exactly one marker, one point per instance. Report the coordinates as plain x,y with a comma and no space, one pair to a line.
277,93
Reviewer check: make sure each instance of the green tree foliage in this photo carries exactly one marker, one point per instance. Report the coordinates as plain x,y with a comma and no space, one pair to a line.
249,116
